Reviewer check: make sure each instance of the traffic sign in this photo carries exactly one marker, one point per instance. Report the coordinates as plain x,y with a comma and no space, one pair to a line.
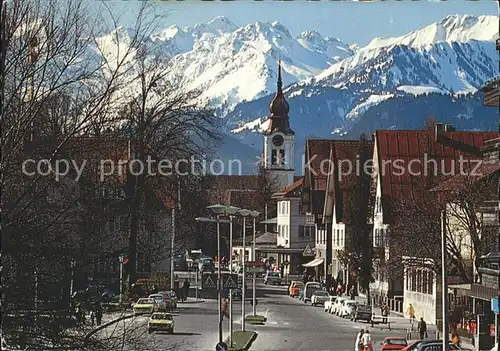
494,305
209,281
230,281
308,251
255,264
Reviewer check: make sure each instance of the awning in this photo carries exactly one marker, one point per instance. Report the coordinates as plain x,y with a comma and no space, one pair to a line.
270,221
314,263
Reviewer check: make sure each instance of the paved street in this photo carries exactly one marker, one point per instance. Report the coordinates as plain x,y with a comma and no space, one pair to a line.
291,325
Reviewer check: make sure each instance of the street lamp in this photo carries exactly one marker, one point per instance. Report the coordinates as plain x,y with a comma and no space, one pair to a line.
219,285
243,213
254,214
228,211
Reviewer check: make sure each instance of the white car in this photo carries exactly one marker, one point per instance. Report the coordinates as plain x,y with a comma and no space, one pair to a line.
338,305
319,297
348,307
162,305
329,303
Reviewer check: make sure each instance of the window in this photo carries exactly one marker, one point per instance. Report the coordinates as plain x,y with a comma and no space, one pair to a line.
430,287
309,231
283,207
281,157
101,267
274,157
113,266
413,280
302,231
425,282
419,280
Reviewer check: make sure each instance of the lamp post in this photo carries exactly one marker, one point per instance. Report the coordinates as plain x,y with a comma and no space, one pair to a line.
244,214
445,328
216,209
254,214
231,210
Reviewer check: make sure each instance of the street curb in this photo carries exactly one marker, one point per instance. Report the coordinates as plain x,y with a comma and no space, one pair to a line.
247,345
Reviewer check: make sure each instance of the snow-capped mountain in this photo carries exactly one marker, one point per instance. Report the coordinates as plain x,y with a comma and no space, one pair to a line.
333,88
455,56
231,65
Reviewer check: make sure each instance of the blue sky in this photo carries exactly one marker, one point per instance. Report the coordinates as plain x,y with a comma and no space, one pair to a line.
352,22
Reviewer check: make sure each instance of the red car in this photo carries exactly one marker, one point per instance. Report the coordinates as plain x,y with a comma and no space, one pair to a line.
394,343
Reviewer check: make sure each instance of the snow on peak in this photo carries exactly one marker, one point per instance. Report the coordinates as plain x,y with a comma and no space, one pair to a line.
332,47
453,28
218,25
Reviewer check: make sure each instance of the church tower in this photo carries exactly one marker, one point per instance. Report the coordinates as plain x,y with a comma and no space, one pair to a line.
279,139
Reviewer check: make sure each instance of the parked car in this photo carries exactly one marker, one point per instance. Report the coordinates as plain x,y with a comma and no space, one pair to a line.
362,313
145,306
206,265
338,305
393,343
429,345
329,303
169,298
319,297
160,301
272,278
161,322
294,289
348,308
309,290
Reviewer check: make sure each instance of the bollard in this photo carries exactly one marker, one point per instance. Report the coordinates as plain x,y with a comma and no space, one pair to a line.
373,315
437,334
408,333
389,324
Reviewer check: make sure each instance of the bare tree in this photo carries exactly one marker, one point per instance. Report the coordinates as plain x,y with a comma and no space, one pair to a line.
64,79
417,232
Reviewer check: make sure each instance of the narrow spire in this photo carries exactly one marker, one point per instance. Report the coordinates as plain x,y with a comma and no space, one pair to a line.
280,83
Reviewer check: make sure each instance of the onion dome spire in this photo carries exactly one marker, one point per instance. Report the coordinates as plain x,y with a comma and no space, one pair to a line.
278,106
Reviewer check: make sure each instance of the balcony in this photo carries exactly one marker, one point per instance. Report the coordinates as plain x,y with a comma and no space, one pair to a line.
491,92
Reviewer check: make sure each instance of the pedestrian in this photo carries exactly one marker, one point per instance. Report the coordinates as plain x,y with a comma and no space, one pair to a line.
455,339
352,293
384,310
185,287
358,344
411,311
224,308
422,329
98,313
92,317
367,341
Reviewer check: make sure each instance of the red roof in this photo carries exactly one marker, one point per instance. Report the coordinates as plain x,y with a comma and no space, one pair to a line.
404,154
289,190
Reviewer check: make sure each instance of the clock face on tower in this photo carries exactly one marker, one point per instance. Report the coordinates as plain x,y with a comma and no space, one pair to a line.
278,140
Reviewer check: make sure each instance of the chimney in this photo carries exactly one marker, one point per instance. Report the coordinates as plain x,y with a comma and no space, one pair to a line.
449,128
